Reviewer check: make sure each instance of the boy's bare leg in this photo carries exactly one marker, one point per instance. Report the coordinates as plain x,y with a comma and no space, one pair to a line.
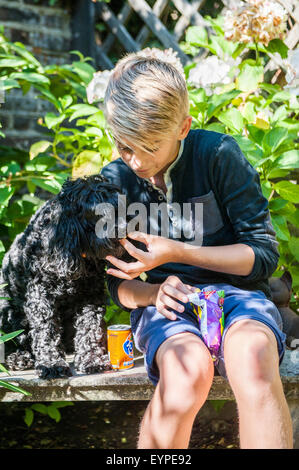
252,366
186,375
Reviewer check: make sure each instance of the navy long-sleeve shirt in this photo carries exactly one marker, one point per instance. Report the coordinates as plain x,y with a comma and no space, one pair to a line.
210,169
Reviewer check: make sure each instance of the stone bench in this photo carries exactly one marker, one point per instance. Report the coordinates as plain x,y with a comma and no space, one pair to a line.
133,384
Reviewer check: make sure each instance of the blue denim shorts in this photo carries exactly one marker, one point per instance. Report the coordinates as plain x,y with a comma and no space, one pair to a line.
150,328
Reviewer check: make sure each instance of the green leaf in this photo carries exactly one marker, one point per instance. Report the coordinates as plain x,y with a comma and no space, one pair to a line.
52,119
46,94
29,417
31,77
50,185
197,35
222,46
248,112
12,63
233,119
14,388
63,404
41,163
287,190
274,138
280,113
290,124
277,45
266,188
280,227
9,336
54,413
281,96
249,77
82,110
294,247
6,193
86,163
276,173
293,218
277,204
2,368
269,87
94,131
288,160
105,148
43,409
38,147
216,127
66,101
256,134
23,52
11,167
84,70
7,84
219,101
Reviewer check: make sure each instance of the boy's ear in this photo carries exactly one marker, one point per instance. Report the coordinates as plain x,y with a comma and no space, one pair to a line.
185,128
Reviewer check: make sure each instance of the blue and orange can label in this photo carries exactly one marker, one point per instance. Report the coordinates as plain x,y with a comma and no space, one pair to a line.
120,346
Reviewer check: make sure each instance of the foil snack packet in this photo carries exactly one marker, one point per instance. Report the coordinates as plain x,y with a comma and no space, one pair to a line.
208,307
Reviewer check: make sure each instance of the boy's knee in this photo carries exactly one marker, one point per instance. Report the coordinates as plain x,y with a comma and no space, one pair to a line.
186,373
251,356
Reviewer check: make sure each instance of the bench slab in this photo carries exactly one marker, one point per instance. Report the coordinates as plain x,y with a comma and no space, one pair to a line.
131,384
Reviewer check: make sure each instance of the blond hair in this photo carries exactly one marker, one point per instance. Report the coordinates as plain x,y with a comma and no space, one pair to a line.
146,97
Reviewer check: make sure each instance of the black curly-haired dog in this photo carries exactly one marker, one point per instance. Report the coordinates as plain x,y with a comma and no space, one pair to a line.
55,276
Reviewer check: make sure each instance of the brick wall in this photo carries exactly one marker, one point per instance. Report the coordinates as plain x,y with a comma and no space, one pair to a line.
46,32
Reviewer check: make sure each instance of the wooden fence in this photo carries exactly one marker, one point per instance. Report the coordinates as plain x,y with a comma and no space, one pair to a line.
88,12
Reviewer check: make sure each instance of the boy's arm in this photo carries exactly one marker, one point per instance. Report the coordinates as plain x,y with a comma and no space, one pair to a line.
238,185
137,293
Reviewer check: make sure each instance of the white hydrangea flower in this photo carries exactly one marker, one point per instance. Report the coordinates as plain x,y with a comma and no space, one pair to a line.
257,20
292,76
97,86
167,55
210,73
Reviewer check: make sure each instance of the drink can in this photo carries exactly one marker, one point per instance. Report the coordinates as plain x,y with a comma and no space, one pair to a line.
120,346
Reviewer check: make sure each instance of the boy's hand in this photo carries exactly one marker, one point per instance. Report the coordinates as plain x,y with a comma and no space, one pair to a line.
167,293
160,250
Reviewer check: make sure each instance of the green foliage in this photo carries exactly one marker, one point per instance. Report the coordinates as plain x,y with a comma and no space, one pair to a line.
51,410
3,339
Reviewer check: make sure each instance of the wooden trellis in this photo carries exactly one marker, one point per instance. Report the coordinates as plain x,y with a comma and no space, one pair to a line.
87,12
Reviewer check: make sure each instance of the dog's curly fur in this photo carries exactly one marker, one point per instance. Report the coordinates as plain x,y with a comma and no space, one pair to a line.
55,275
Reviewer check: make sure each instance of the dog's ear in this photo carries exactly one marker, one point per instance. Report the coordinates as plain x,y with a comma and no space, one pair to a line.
64,241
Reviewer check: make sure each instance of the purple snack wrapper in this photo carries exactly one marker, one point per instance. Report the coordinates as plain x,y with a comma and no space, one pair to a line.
208,307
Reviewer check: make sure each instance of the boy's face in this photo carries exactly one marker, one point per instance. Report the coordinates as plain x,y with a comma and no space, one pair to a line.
147,165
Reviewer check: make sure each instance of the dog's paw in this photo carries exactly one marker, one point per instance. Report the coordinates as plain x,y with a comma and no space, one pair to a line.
20,360
53,371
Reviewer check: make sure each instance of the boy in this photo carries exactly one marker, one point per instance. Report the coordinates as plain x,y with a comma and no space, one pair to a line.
163,159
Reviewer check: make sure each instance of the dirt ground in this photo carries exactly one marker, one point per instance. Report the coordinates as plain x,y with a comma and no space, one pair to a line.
108,425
